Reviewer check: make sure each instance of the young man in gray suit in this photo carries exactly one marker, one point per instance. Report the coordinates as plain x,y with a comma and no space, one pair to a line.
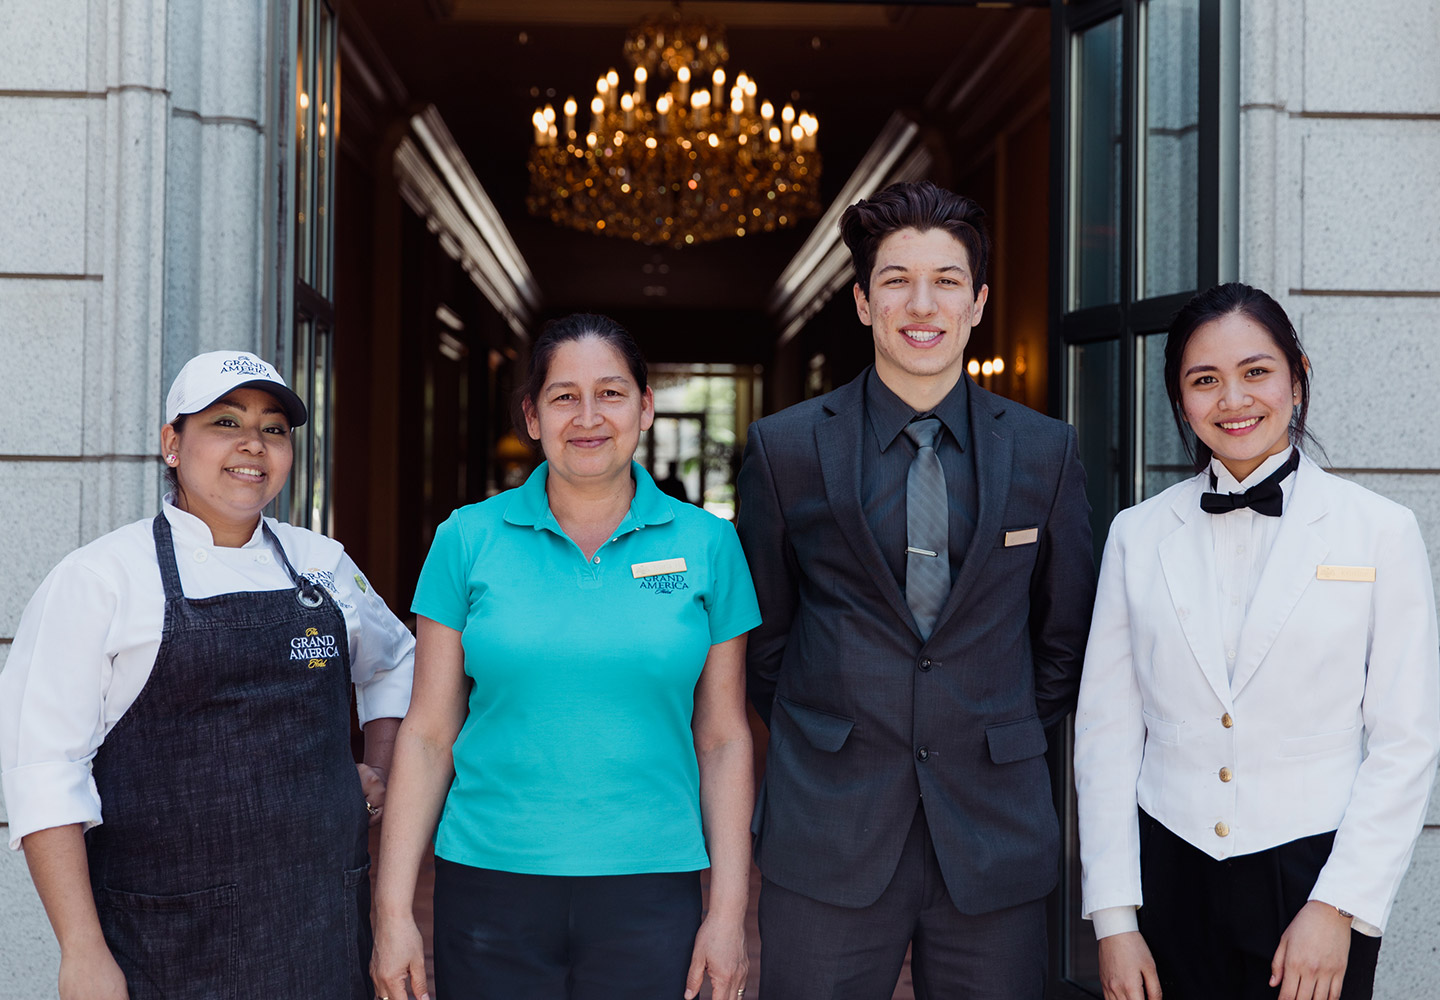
921,549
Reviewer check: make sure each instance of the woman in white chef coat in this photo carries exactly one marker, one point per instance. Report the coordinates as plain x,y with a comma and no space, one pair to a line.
1260,706
175,725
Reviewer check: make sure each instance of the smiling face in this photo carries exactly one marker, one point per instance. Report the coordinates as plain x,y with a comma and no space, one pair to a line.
921,308
232,458
589,413
1237,392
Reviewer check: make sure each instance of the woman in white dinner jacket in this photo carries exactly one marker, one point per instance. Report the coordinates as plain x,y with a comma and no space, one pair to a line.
1259,712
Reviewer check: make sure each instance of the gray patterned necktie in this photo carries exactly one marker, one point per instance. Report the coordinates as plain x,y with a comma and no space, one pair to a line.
927,528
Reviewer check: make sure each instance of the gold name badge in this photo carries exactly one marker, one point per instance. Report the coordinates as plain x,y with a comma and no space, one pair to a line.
1025,536
657,568
1352,574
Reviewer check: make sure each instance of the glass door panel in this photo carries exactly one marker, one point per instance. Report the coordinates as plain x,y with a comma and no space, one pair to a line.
1169,150
1095,412
1162,454
1095,237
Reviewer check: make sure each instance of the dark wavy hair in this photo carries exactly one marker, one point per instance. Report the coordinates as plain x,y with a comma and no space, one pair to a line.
914,205
576,326
1215,303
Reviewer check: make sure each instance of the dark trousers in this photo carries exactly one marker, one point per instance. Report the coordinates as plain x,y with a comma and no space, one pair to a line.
1213,926
814,951
548,937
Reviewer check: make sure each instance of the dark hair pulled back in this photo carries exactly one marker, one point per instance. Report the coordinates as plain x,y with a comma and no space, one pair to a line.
576,326
1255,305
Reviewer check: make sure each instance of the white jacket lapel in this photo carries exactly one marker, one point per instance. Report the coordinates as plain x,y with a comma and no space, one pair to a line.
1187,556
1289,569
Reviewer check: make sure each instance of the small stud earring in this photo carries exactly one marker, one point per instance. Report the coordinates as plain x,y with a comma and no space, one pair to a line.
169,459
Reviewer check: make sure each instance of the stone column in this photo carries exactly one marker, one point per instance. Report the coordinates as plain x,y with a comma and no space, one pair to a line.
1340,221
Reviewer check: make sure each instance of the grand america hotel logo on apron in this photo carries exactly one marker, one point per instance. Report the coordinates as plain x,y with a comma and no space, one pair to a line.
318,649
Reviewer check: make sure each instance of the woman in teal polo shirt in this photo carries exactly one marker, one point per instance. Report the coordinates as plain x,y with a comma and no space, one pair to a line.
578,722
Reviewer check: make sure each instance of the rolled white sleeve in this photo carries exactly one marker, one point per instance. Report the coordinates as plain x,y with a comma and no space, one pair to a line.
1115,920
382,650
52,702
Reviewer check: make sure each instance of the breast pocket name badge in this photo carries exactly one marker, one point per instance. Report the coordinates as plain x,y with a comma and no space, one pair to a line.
1022,536
1350,574
661,576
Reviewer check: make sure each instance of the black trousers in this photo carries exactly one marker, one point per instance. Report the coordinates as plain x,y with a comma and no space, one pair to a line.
815,951
546,937
1213,926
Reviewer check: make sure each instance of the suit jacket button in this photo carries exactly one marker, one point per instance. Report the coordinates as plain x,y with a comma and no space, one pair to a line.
925,665
1226,721
1226,774
1222,829
922,754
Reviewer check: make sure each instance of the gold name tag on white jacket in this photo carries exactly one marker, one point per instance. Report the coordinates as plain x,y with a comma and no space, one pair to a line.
1353,574
1025,536
657,568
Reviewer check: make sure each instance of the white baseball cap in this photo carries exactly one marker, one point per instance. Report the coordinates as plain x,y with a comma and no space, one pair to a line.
207,377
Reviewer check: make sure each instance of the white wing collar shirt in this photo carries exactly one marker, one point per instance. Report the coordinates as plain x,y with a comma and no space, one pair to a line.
87,641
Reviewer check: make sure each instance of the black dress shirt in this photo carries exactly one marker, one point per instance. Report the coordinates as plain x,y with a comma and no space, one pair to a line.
885,465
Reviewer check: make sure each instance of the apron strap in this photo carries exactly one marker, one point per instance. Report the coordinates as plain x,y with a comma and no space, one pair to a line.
165,554
306,592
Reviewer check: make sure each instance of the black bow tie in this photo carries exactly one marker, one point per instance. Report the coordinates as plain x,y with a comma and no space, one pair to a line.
1263,498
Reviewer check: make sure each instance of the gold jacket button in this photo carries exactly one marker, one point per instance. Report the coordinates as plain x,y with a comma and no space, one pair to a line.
1226,721
1222,829
1225,775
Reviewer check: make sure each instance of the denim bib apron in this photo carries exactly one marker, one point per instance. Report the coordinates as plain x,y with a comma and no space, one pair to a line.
232,859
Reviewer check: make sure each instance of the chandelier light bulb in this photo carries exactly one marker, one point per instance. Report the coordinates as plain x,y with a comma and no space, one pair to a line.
705,142
973,368
998,365
986,368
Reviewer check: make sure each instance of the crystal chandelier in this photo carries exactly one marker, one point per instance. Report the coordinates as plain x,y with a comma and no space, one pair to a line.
688,165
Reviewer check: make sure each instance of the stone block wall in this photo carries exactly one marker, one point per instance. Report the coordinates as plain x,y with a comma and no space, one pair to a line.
135,209
1340,220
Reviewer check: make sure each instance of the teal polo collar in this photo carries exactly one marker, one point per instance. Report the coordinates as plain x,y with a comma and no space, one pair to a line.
530,505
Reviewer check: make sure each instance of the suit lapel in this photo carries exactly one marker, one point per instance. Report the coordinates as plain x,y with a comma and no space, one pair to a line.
1289,569
838,443
1187,556
994,454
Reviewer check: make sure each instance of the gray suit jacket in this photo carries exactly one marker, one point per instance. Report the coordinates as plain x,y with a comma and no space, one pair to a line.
864,716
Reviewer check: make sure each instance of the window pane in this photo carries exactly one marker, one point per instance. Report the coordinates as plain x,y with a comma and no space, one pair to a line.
1162,455
1170,111
300,381
319,428
326,101
305,101
1095,242
1095,412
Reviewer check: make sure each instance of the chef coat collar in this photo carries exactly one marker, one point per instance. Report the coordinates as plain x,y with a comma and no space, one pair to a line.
190,529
